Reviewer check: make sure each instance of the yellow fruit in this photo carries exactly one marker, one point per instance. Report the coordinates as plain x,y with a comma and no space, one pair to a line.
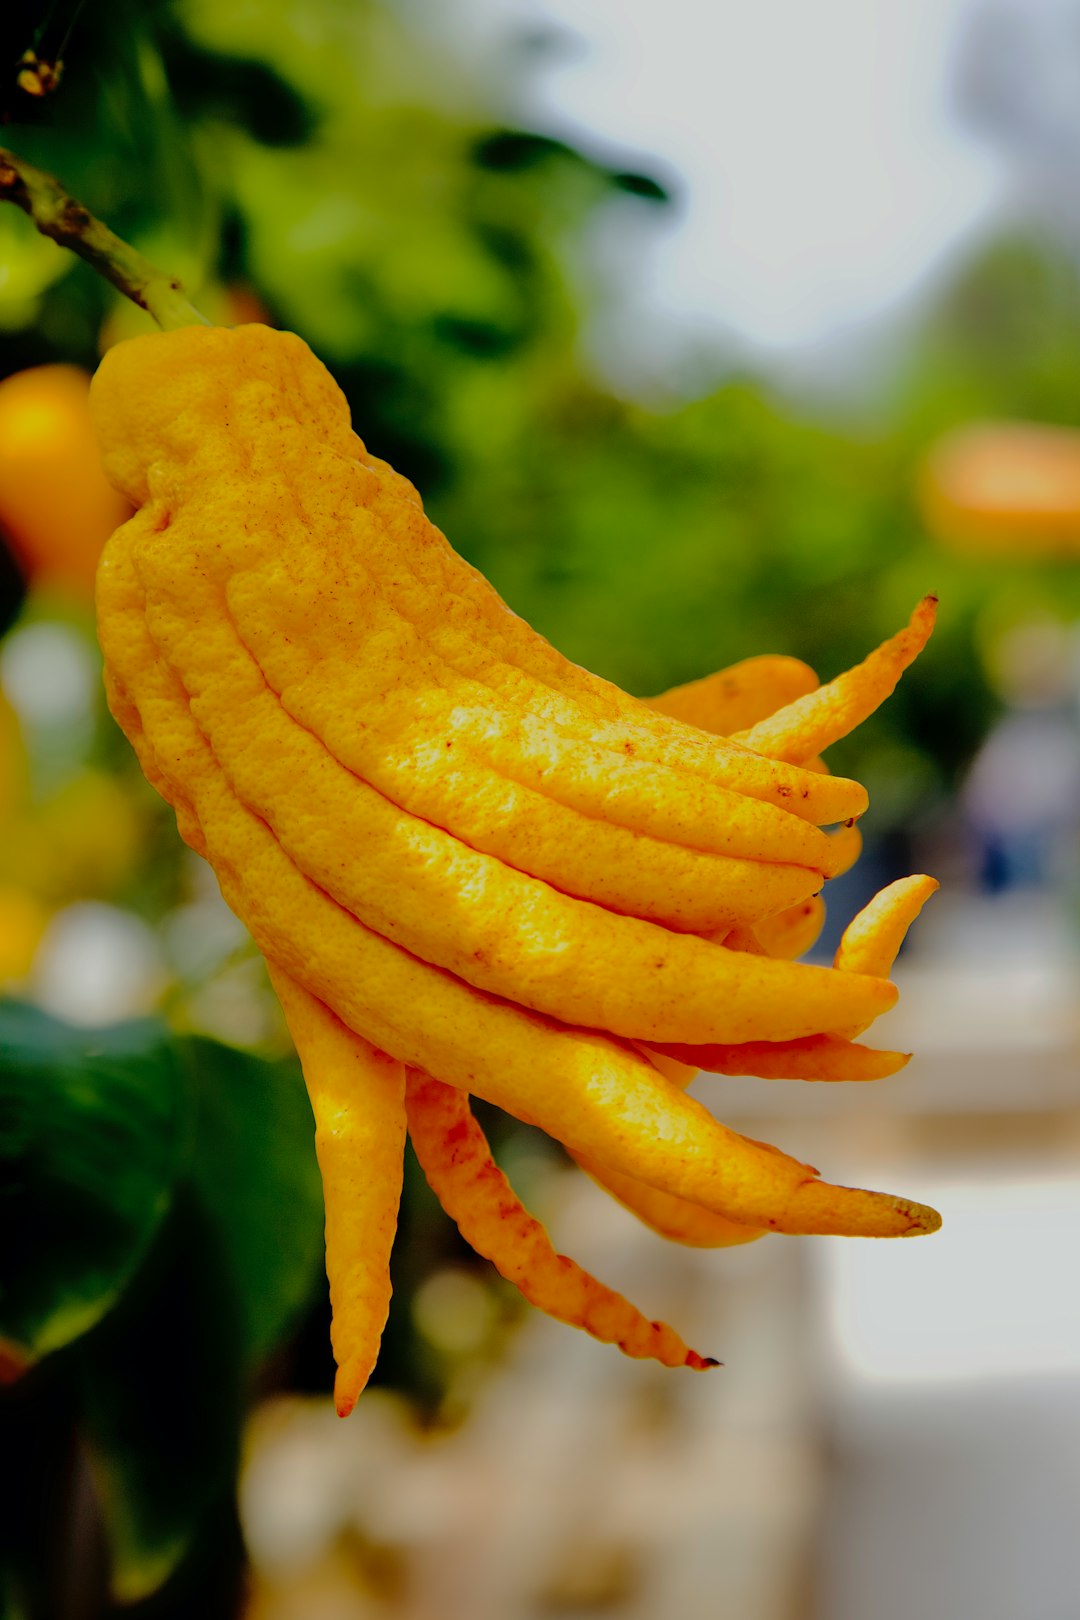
14,773
461,855
82,841
22,923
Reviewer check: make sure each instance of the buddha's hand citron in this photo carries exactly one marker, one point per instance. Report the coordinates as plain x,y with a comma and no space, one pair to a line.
472,866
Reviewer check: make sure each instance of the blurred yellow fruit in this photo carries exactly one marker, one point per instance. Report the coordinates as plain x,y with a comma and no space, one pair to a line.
1009,489
13,769
82,842
22,923
56,507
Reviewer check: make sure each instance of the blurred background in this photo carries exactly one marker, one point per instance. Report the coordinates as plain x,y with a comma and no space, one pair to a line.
704,332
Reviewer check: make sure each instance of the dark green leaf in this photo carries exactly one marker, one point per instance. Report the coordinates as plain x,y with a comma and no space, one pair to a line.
92,1131
515,149
482,339
640,185
247,93
12,588
257,1181
161,1385
165,1375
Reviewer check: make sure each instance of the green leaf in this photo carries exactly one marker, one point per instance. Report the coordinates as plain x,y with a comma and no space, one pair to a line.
257,1180
517,149
92,1131
165,1376
161,1398
640,185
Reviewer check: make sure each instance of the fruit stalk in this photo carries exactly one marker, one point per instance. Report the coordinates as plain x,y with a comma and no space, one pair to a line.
72,226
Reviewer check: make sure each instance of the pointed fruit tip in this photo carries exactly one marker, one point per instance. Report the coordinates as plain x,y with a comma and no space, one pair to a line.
347,1390
924,1221
701,1363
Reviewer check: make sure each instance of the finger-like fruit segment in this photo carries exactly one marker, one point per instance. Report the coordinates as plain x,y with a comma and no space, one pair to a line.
813,1057
673,1218
810,724
790,933
872,940
852,1212
456,1159
358,1098
735,698
845,848
876,934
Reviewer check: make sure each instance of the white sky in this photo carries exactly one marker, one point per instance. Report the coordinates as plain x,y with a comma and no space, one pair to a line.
823,169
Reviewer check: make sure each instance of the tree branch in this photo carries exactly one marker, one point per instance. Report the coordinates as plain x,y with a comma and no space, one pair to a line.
71,225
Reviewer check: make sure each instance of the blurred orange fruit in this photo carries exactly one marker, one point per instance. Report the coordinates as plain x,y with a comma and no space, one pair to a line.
56,507
1004,488
1009,489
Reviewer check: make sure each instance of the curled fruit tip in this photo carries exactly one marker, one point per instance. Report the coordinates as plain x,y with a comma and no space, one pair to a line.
701,1363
